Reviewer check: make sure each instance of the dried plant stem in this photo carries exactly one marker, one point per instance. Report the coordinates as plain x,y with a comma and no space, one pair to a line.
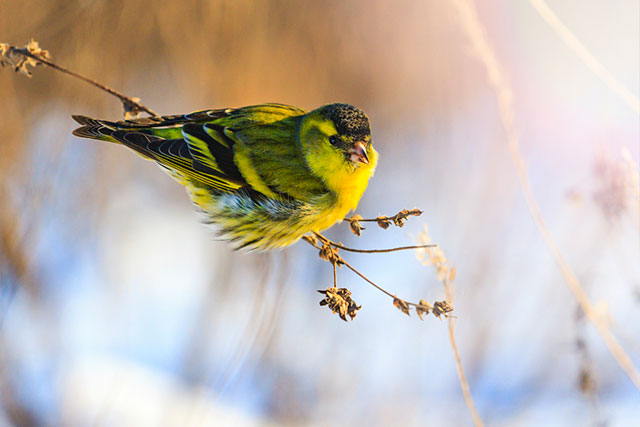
380,251
380,288
476,33
464,384
384,222
339,300
129,103
370,251
329,253
341,261
585,56
366,279
335,275
446,274
462,378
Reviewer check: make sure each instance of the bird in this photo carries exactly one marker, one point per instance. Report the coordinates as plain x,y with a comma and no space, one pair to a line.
263,175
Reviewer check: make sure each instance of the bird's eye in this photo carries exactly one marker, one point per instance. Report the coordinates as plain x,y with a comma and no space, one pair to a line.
334,140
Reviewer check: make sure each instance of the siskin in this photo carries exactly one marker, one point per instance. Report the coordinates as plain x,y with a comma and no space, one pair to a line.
266,174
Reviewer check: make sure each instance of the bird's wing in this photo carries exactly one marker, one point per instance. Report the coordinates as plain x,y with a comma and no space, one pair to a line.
198,148
268,153
174,154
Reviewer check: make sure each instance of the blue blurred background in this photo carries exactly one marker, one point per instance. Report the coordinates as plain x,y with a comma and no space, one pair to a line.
117,307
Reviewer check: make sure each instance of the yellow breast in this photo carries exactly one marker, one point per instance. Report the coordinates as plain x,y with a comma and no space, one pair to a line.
348,186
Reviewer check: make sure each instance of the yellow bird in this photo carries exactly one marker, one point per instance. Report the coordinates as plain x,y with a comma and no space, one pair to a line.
266,174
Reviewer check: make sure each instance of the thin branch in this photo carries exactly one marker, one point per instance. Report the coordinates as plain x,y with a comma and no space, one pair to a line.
446,273
127,101
383,221
462,378
329,252
464,384
42,57
402,214
341,261
335,275
365,278
370,251
475,31
381,251
590,61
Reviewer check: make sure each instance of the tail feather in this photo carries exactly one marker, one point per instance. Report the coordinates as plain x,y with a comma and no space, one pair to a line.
170,149
94,129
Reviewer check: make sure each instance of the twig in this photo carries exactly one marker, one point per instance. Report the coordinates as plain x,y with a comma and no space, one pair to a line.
464,384
380,251
380,288
590,61
462,378
131,105
475,31
383,221
329,252
371,251
341,261
446,274
335,275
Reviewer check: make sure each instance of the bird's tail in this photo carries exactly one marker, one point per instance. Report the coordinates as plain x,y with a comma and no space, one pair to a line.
95,129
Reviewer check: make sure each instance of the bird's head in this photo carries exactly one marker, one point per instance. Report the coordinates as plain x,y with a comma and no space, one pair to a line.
336,142
338,133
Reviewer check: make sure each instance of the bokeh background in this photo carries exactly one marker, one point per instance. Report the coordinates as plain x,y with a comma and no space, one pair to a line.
117,307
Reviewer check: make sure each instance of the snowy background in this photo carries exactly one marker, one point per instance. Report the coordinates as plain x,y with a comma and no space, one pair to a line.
117,307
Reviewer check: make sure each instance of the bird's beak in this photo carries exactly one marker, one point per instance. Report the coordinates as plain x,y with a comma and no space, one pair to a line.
358,153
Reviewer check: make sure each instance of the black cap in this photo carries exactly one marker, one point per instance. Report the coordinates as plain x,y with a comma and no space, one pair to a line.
349,120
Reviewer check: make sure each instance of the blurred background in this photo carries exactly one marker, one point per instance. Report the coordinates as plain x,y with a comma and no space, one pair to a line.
117,307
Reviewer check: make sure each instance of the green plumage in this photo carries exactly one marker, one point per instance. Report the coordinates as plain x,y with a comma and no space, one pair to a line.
265,174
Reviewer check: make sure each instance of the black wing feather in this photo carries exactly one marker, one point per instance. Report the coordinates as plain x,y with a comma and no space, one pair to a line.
223,154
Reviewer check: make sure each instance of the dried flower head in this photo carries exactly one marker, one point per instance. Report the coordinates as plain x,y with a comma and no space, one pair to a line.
383,222
423,308
339,301
402,305
401,217
441,308
10,56
354,223
329,253
132,111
